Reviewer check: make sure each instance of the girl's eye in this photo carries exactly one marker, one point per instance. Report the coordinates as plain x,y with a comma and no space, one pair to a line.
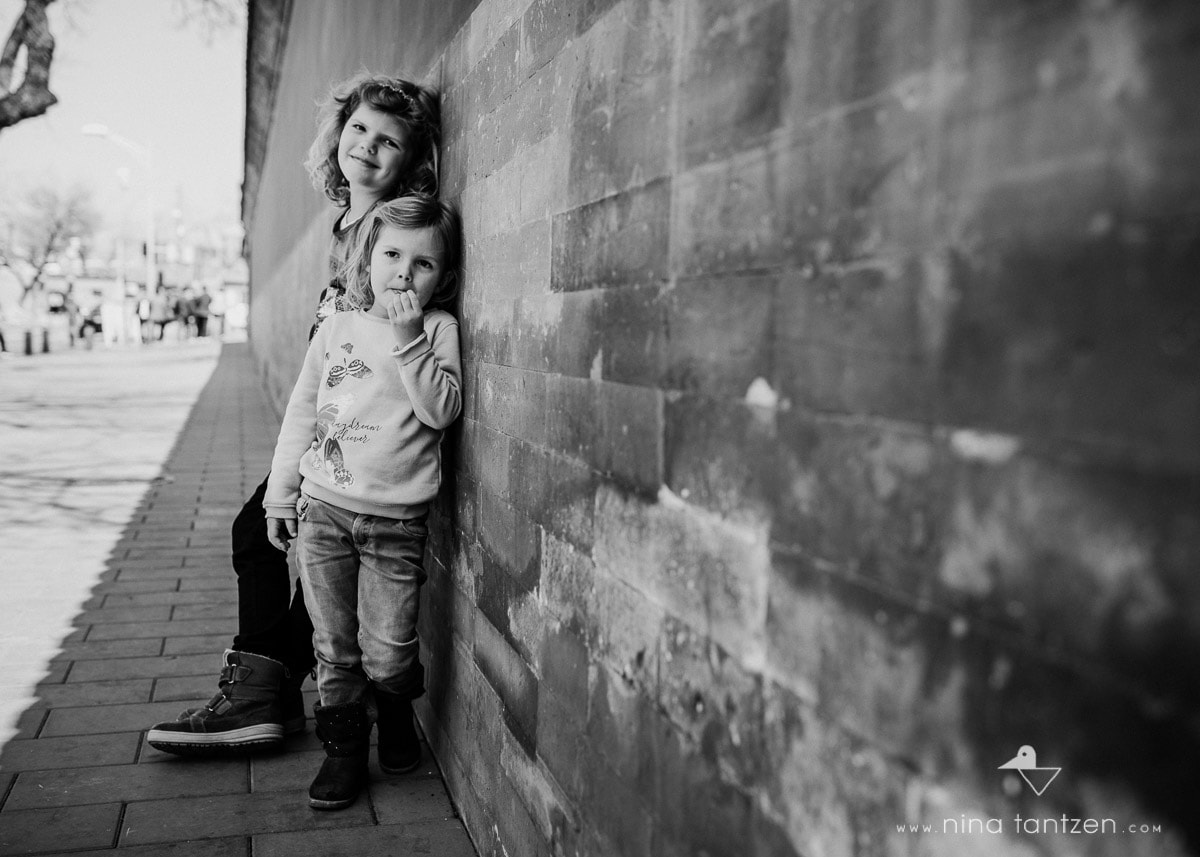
425,263
357,126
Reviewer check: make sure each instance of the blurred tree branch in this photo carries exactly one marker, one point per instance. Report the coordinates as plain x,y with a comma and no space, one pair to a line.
30,39
32,97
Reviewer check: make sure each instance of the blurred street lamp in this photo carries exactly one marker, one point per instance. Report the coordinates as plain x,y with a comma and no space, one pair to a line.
146,154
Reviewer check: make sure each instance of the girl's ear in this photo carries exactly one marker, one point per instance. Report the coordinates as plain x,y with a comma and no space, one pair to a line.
448,288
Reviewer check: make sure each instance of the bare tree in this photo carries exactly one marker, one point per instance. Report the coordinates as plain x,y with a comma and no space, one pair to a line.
30,49
30,39
46,222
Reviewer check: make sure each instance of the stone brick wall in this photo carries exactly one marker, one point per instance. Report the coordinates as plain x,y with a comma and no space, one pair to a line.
831,426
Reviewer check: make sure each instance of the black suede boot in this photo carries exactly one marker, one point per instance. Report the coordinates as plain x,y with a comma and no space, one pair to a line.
345,733
399,746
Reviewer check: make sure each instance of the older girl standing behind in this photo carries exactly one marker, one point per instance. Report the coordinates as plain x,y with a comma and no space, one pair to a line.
357,463
377,138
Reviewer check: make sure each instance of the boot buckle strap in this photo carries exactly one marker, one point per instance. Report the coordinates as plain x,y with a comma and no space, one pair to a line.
234,673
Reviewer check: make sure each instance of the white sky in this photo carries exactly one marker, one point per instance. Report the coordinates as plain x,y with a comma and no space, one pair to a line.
132,66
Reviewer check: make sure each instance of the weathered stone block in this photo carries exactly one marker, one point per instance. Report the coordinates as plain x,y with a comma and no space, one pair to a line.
571,426
629,445
620,118
624,630
545,28
564,666
728,457
889,481
617,241
733,88
508,536
566,579
513,681
731,215
715,702
617,429
556,492
719,334
709,573
513,401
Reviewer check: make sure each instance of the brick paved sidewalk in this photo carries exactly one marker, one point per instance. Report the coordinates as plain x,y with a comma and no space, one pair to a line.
79,778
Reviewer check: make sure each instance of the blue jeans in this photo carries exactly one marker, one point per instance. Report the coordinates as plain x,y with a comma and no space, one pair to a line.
362,579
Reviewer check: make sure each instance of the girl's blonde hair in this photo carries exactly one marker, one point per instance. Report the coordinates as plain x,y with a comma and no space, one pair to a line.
414,211
413,106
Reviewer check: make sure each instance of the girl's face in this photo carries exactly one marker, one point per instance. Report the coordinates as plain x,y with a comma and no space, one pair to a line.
373,152
405,260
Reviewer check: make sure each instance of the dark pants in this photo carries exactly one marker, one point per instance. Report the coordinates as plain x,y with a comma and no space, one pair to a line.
272,622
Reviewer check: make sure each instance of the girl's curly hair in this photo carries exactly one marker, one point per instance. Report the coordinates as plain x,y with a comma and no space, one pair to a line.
413,211
412,105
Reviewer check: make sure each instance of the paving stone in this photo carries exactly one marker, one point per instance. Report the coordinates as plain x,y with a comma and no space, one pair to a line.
60,829
213,644
102,649
97,720
152,571
170,596
151,613
93,693
160,537
56,672
139,630
401,800
443,838
135,586
167,665
275,812
30,721
229,846
101,784
158,560
225,581
223,609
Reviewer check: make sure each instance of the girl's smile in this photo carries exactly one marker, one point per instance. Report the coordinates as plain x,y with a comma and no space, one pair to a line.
373,152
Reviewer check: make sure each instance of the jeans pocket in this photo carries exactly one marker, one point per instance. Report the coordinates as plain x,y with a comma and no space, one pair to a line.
416,527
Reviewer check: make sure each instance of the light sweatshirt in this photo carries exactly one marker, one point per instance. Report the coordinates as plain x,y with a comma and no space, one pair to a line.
364,423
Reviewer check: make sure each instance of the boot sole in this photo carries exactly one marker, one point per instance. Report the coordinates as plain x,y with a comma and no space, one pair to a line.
248,737
330,804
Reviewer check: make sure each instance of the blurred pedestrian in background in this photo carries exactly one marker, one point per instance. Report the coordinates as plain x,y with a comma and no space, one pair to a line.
200,310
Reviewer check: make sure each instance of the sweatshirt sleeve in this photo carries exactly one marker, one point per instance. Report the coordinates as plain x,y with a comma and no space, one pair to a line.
432,375
296,434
